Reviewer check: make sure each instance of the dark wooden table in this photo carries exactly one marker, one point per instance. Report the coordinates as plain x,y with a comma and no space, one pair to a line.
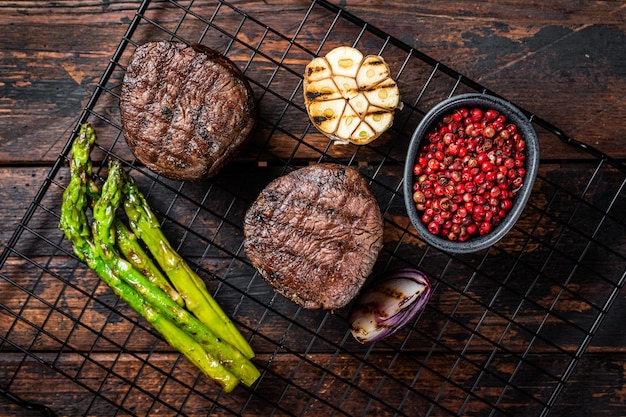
560,60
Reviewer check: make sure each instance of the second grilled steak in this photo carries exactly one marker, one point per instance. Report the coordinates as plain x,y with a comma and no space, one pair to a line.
315,234
185,109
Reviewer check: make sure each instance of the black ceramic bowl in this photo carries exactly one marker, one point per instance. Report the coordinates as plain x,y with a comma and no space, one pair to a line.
524,128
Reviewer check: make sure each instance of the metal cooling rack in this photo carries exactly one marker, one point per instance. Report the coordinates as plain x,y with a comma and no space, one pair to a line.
505,326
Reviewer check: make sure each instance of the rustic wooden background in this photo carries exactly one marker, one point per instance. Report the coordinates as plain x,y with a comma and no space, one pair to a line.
562,60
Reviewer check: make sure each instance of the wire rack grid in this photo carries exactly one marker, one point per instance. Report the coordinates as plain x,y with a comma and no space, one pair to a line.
502,334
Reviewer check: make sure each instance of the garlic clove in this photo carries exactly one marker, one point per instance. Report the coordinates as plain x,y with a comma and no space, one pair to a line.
386,95
322,90
373,71
317,69
345,61
327,114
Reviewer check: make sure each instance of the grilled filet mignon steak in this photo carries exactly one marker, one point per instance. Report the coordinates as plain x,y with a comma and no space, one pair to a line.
315,234
185,109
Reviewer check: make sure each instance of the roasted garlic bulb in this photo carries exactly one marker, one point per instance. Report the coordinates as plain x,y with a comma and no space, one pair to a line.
350,97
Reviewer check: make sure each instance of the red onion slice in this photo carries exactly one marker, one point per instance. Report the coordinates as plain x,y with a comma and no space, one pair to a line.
388,304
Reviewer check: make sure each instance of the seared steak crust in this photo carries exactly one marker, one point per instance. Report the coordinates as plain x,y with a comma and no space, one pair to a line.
184,109
315,234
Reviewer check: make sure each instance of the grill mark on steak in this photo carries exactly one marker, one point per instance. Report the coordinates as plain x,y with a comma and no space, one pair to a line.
323,225
185,109
314,235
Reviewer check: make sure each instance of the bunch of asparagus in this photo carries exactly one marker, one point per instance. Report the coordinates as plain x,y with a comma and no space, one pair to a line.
155,281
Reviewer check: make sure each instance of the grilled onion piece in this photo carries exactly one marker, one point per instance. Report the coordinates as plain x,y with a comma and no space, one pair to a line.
350,97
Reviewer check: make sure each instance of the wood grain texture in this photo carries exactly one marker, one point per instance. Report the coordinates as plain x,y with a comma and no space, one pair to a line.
553,59
61,327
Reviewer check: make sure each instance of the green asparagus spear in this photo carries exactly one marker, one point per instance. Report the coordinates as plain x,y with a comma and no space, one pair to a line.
197,298
75,199
104,238
173,335
127,241
75,225
191,349
134,253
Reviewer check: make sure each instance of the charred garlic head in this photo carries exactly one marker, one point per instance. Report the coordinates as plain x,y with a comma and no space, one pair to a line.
350,97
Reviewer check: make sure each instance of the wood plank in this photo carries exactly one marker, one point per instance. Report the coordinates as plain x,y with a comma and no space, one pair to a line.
574,196
165,385
519,319
56,67
560,274
18,187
